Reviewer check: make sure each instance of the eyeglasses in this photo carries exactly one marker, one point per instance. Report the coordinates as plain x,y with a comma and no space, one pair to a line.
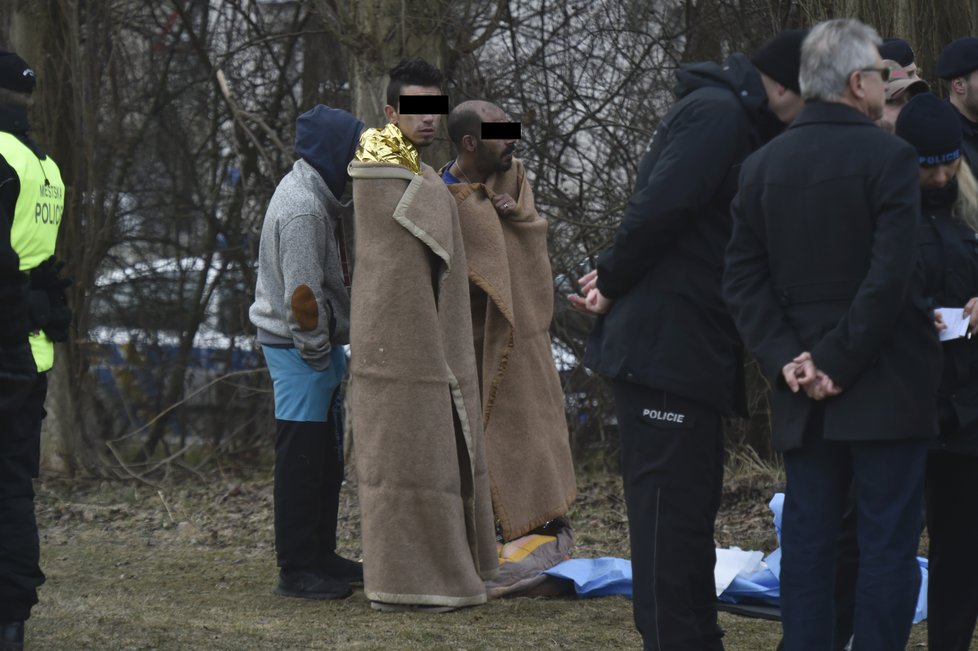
884,72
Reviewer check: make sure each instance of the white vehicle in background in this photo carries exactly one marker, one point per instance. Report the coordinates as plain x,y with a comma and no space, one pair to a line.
164,332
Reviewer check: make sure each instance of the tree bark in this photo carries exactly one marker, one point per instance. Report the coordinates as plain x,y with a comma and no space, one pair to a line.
377,34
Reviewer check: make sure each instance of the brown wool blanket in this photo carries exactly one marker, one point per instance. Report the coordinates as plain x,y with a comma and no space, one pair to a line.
512,297
426,515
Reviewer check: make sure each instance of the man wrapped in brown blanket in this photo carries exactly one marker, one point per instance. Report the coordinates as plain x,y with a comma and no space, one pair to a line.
426,520
511,284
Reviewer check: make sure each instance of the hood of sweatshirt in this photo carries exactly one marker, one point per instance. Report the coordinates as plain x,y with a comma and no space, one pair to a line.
326,138
738,75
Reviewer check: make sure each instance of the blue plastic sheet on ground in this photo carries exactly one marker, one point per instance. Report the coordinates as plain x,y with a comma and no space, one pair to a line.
596,577
600,577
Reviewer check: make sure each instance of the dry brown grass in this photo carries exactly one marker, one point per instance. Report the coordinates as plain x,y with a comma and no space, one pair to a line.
194,568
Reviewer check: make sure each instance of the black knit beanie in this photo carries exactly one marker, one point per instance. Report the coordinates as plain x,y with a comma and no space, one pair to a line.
780,57
933,127
15,74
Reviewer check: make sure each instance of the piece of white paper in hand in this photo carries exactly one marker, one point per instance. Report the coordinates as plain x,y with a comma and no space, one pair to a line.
957,325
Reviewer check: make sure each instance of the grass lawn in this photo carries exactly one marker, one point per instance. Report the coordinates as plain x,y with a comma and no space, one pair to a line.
131,567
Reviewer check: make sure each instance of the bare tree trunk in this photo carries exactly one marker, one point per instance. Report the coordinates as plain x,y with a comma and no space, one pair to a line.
703,19
47,36
927,25
378,34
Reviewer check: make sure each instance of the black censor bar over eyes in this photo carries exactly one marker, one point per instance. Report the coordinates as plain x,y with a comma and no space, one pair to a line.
501,130
423,105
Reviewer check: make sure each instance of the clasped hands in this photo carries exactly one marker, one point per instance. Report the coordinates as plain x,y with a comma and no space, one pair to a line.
801,373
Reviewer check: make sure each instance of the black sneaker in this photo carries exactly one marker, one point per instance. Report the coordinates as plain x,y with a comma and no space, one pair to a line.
343,568
311,585
11,636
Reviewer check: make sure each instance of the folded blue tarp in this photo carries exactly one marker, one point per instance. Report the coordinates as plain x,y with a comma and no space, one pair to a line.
596,577
600,577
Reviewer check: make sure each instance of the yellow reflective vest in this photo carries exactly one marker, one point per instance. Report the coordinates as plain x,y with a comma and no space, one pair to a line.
37,216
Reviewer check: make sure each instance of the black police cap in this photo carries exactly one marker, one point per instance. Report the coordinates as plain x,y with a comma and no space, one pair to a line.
958,59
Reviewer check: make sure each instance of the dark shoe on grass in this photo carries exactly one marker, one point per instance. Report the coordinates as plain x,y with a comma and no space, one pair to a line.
343,568
311,585
11,636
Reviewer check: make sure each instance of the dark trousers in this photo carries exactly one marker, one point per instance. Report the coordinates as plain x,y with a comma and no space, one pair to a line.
846,569
308,476
952,524
672,469
887,481
846,572
20,445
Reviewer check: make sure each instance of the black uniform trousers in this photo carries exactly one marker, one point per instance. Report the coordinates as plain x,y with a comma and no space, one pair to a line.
308,477
952,525
672,469
20,446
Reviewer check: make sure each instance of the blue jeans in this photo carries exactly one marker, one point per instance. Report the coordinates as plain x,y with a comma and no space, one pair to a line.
887,479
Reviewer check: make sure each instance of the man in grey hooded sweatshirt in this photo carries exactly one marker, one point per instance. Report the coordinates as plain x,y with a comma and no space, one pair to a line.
302,313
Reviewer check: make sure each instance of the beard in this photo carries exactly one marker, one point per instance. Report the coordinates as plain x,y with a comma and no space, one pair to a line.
504,163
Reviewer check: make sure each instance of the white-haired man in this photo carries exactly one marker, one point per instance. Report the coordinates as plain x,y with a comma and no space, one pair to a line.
820,280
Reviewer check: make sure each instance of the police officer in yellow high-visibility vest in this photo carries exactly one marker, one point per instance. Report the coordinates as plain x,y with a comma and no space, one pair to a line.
34,315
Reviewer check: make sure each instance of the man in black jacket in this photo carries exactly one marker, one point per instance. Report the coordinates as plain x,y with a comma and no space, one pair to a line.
820,280
667,341
957,65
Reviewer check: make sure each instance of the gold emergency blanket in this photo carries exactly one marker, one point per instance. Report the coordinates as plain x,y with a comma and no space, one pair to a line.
512,294
388,145
426,513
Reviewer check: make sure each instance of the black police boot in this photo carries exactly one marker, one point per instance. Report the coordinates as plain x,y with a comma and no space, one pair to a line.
343,568
11,636
311,585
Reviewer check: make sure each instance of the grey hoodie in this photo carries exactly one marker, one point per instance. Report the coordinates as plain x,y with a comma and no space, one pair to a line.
300,298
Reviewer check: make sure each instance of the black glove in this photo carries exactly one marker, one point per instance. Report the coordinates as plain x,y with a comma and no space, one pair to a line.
52,315
60,318
47,276
39,308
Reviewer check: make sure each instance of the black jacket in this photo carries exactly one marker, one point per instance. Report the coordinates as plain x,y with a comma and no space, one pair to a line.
969,144
14,322
822,259
949,253
668,328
